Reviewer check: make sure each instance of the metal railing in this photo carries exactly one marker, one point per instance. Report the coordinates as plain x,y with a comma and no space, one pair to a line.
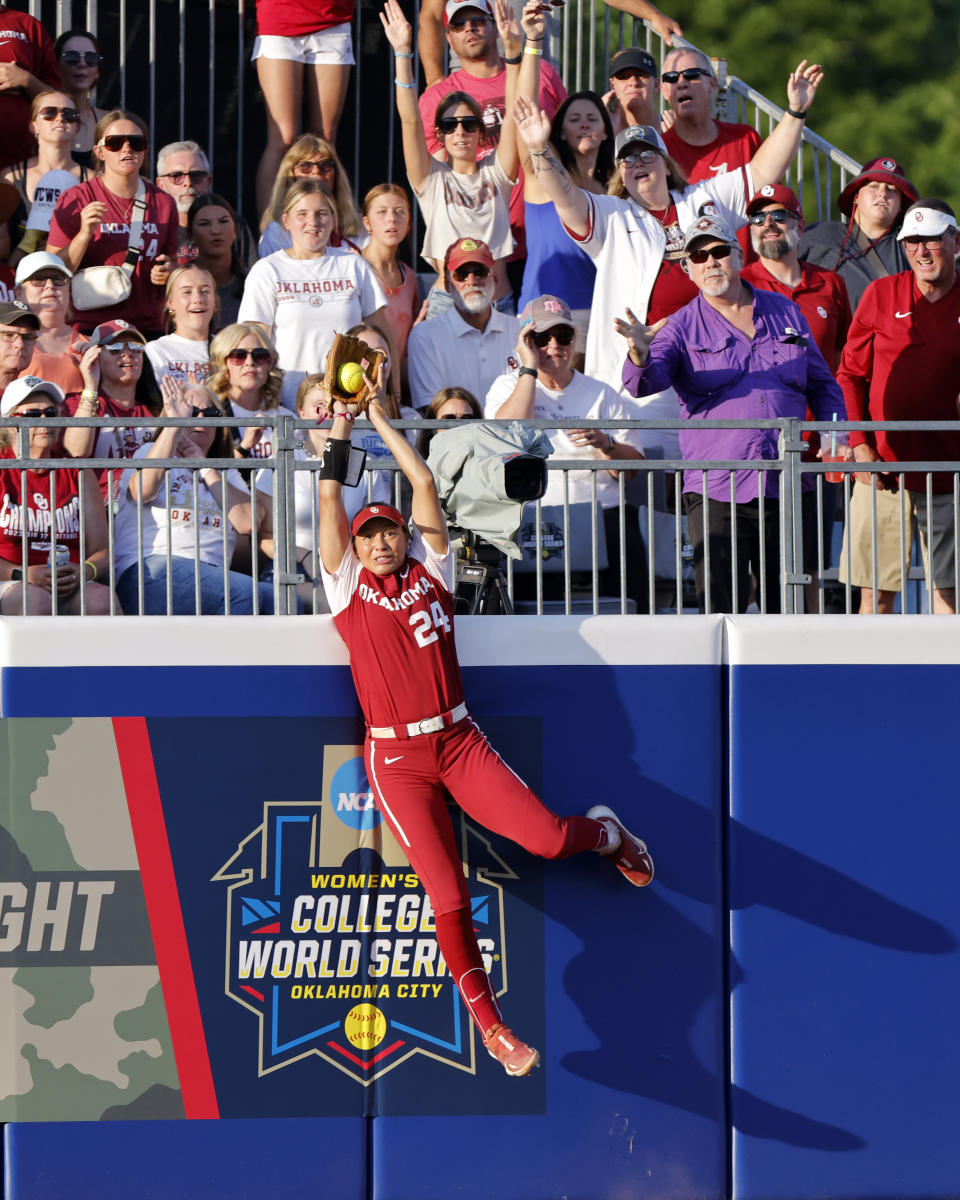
565,571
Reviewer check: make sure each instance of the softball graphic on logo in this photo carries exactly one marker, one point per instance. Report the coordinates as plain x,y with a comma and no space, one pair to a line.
365,1026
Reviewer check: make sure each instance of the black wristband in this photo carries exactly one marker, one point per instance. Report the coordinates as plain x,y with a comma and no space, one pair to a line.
528,371
512,62
242,451
792,112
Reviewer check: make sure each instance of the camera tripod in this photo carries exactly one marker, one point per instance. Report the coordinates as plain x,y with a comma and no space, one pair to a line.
480,587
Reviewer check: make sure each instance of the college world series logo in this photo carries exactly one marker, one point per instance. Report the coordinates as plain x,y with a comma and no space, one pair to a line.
330,938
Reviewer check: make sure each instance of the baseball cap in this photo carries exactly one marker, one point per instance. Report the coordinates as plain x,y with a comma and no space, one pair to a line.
15,310
880,170
924,221
455,6
776,193
633,56
644,135
41,260
22,389
711,228
545,313
376,510
109,331
467,250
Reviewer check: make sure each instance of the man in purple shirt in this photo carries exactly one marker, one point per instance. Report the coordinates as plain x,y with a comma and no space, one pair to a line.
732,353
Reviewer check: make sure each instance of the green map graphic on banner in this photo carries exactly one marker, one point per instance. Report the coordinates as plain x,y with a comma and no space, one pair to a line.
85,1033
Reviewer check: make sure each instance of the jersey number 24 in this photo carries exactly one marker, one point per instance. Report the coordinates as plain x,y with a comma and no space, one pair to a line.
425,624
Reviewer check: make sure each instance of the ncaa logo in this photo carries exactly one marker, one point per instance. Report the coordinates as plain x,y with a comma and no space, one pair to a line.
351,797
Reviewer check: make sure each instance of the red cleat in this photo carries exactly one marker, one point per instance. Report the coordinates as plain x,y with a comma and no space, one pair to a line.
514,1056
631,855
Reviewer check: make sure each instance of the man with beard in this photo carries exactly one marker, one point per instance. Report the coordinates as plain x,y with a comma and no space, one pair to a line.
776,222
183,172
865,247
732,353
469,344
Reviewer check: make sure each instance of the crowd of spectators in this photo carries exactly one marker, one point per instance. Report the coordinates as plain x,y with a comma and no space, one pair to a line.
624,256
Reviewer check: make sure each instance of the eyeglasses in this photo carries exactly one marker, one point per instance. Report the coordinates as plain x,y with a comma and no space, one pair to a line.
467,124
50,113
179,177
115,142
58,281
916,242
326,166
690,74
73,58
209,411
120,347
780,215
50,411
461,23
563,336
477,270
17,335
646,157
715,252
260,356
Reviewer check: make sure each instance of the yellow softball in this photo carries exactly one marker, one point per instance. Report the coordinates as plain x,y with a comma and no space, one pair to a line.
351,378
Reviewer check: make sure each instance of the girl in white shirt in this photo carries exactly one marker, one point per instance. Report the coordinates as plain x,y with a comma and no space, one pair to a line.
191,303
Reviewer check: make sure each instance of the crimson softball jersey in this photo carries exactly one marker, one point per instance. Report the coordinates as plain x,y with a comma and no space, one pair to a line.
399,631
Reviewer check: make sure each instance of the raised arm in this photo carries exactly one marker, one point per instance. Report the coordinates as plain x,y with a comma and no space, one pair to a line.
666,26
426,509
572,204
512,38
528,85
430,40
399,34
775,155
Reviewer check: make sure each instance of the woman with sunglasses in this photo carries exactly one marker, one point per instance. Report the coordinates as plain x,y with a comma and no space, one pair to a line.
117,382
38,398
187,513
43,284
449,404
303,296
53,122
310,157
635,234
459,197
79,59
245,378
91,224
212,227
191,301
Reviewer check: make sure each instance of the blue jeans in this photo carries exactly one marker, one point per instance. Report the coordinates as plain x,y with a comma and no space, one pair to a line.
183,600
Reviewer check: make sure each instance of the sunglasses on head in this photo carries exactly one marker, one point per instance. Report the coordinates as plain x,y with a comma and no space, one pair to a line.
120,347
115,142
477,270
467,124
715,252
562,335
51,112
325,166
179,177
690,74
458,24
260,356
779,215
209,411
646,157
73,58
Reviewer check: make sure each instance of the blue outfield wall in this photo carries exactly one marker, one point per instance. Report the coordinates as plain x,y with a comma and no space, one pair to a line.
774,1017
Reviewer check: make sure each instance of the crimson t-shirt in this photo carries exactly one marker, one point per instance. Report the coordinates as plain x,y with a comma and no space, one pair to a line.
294,18
143,308
36,512
25,42
672,288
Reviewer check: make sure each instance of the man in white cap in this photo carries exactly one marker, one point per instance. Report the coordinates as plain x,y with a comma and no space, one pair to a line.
902,363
